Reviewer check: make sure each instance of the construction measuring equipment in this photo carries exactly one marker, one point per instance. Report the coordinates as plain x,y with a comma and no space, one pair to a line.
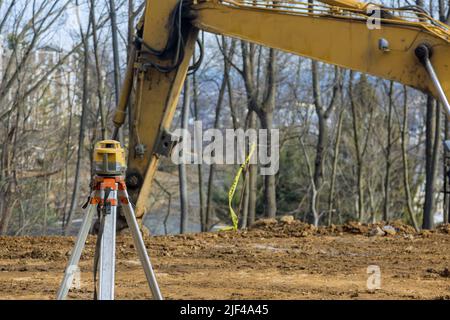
108,193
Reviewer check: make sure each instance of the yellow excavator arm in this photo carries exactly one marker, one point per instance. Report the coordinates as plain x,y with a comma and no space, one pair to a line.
405,45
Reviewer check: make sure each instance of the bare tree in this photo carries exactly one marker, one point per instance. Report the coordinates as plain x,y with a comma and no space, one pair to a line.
336,149
432,144
227,52
323,113
358,152
17,89
252,180
263,107
201,190
84,106
98,70
184,196
388,151
406,178
313,206
115,45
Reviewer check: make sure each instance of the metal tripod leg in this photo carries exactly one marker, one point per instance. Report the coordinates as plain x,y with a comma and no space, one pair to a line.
140,246
107,261
72,266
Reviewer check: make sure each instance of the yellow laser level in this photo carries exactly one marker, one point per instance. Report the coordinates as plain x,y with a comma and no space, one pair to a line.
109,158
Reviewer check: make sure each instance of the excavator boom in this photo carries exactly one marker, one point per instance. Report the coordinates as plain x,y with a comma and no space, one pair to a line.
348,4
337,37
402,45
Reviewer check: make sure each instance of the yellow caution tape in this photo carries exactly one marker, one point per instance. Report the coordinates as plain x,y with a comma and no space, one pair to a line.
234,217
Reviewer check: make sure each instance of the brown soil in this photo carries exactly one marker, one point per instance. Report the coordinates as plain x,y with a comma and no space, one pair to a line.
271,261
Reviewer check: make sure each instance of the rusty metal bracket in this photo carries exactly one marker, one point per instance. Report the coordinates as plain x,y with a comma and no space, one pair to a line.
166,142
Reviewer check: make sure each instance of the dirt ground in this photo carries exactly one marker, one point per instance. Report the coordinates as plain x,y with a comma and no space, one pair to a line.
271,261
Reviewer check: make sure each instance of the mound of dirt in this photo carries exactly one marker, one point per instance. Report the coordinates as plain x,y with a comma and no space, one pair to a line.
287,226
284,227
444,228
445,273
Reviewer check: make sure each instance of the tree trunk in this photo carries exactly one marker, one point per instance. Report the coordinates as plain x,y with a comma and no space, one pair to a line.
66,164
212,169
201,191
356,141
335,164
98,71
264,108
6,216
244,220
253,179
184,197
405,142
130,40
323,113
80,153
387,176
266,118
131,27
270,201
312,205
432,134
115,45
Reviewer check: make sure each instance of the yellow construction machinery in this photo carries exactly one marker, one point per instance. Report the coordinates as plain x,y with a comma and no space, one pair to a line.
403,44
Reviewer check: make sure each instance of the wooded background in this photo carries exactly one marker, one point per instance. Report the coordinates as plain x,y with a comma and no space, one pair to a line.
353,147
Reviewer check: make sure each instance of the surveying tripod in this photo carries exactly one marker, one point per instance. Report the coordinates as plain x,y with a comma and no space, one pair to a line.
108,192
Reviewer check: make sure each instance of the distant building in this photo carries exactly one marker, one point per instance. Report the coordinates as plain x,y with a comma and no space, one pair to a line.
59,93
56,94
